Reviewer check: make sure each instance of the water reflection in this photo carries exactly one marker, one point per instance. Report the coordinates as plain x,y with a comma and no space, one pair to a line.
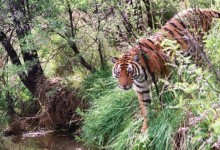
40,141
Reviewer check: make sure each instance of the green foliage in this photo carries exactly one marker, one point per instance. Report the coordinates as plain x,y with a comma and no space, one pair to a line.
213,45
163,11
13,91
201,3
19,95
114,120
3,108
191,103
81,4
97,84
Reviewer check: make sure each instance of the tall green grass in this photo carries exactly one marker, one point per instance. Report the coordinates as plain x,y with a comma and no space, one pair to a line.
114,119
191,103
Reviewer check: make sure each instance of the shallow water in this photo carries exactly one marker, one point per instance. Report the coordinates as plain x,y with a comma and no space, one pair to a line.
40,141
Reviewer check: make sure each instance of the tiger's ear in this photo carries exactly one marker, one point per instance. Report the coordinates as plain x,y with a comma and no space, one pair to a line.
114,60
136,58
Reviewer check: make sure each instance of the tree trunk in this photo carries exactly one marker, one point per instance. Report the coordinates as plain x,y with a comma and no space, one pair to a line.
139,16
73,44
81,59
10,104
99,42
30,56
102,60
149,14
30,84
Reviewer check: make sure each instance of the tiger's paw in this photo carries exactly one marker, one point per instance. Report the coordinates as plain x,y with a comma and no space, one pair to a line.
144,128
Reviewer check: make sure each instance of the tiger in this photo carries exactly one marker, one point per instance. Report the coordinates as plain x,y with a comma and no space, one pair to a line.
145,62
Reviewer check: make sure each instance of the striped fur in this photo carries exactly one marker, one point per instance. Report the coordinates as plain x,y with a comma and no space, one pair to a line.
147,59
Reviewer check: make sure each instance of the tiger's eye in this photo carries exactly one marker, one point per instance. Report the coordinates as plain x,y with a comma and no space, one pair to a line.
117,73
129,70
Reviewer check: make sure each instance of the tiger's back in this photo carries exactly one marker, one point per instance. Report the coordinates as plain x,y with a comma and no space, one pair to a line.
188,24
187,28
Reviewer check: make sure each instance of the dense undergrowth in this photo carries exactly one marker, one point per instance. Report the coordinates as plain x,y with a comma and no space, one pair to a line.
189,118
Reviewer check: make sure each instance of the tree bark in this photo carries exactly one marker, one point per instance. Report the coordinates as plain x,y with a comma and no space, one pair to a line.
149,14
99,42
10,104
30,84
23,29
139,16
128,26
81,59
102,60
21,17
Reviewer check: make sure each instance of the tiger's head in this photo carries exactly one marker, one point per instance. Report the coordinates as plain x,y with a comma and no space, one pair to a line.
127,69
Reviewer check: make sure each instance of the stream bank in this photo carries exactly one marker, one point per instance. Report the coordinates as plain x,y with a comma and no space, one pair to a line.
47,140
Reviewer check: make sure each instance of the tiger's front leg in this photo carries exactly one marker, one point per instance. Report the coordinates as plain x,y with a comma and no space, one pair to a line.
144,100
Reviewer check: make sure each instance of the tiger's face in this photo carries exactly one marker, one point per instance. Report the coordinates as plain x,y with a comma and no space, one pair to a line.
126,70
